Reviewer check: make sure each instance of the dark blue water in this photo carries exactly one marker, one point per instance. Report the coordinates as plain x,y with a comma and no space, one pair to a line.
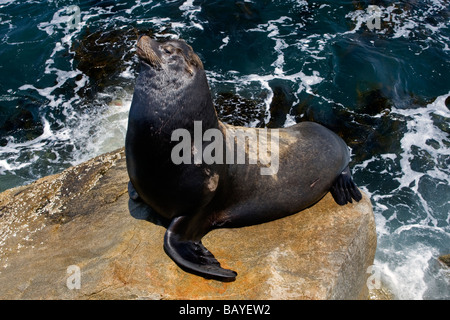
67,71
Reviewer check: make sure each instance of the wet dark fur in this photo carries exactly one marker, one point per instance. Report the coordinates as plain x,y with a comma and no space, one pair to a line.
172,92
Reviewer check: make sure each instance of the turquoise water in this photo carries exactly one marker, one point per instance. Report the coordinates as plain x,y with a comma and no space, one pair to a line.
68,68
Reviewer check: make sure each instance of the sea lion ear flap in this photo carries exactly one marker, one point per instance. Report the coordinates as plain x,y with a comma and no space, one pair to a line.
189,70
196,61
193,58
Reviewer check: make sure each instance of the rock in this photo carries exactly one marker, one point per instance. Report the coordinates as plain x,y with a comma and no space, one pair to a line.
372,129
23,124
82,219
381,294
445,260
104,55
281,103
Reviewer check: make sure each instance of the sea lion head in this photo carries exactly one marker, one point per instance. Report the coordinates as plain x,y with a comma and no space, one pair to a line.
171,90
173,56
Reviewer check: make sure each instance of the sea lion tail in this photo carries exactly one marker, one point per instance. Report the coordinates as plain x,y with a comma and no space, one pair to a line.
344,189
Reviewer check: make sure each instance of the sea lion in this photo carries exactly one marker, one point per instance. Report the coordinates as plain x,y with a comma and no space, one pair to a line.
172,95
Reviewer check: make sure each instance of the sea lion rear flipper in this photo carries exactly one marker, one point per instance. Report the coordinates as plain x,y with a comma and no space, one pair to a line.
344,189
192,256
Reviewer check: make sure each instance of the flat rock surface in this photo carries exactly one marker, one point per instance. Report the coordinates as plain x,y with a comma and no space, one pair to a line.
84,218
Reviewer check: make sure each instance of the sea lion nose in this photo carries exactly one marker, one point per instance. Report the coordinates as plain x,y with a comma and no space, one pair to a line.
142,40
147,50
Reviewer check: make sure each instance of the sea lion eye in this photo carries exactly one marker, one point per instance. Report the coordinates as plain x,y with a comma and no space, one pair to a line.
168,49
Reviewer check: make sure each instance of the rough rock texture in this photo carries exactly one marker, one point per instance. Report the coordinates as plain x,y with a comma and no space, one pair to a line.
83,217
445,259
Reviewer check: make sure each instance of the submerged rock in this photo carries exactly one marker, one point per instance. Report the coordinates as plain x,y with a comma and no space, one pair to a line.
280,105
445,260
104,55
372,129
76,235
23,124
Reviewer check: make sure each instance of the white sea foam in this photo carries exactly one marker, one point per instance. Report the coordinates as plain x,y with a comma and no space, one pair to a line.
138,4
405,260
405,275
62,20
225,41
190,11
306,81
12,151
290,121
87,131
404,21
104,133
421,129
6,2
406,253
272,30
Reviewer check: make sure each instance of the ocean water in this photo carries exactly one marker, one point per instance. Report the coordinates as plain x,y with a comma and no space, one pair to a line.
378,76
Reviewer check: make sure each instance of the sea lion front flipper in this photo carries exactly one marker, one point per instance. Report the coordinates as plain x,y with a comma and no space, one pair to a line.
192,256
344,189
